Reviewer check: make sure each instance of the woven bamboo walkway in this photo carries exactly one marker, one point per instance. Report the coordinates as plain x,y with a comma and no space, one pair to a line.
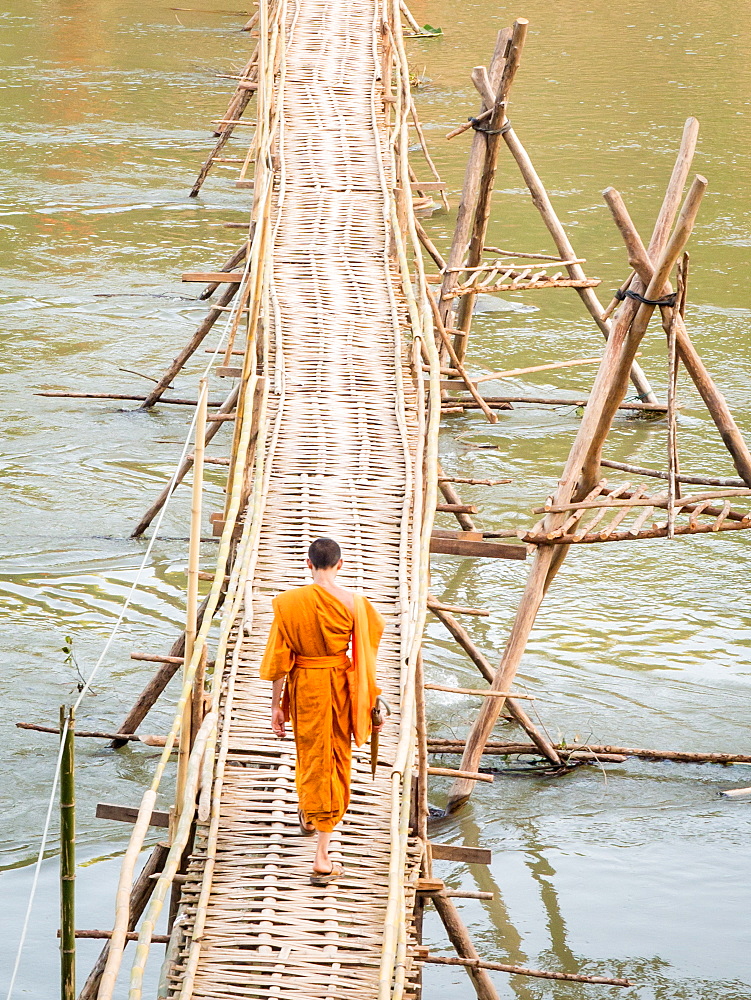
342,419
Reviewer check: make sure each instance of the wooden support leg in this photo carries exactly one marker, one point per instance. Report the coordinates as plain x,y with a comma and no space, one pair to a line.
487,178
189,350
462,942
139,897
235,109
187,463
451,496
471,186
159,681
483,665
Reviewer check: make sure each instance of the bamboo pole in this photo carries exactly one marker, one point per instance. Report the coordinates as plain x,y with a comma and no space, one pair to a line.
518,970
149,740
191,347
191,615
139,897
640,260
122,897
583,461
246,552
426,154
174,858
487,179
213,427
423,810
97,934
67,857
424,474
597,749
448,772
479,692
553,365
674,489
639,470
129,396
503,403
426,241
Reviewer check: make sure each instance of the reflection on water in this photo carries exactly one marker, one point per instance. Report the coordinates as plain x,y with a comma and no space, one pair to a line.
640,871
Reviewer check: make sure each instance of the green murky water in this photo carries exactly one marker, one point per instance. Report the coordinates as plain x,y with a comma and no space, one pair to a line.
643,871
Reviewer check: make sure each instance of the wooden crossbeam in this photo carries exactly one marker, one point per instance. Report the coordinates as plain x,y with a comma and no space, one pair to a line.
629,535
485,550
227,277
467,855
657,500
129,814
524,286
479,692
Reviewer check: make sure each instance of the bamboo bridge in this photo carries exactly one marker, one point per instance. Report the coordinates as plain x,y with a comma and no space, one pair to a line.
332,437
343,362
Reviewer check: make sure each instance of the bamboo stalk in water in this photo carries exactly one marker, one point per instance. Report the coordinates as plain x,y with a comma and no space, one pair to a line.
67,857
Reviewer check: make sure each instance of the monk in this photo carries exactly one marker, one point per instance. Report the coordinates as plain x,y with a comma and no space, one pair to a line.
327,694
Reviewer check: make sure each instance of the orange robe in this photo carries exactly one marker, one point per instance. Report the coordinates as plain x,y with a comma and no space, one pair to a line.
328,696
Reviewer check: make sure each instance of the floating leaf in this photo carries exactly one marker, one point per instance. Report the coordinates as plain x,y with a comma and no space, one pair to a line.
430,30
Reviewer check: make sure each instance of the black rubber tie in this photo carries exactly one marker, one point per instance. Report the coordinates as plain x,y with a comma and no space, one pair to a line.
667,300
477,125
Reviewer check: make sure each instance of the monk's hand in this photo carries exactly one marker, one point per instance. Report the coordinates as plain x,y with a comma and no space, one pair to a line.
277,721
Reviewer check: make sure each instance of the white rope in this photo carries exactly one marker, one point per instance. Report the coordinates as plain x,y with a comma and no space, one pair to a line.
116,628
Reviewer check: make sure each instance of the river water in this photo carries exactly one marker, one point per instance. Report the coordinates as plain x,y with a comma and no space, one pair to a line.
638,870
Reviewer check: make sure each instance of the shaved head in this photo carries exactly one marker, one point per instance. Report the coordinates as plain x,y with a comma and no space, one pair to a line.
324,553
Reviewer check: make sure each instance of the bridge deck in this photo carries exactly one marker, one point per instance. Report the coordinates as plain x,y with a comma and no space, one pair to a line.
339,453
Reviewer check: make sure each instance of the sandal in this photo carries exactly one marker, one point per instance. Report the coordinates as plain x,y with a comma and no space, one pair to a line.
306,831
324,878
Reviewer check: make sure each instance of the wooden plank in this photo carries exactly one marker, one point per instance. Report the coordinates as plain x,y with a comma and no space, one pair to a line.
229,371
456,508
455,609
228,277
428,186
129,814
468,855
469,536
450,772
481,549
